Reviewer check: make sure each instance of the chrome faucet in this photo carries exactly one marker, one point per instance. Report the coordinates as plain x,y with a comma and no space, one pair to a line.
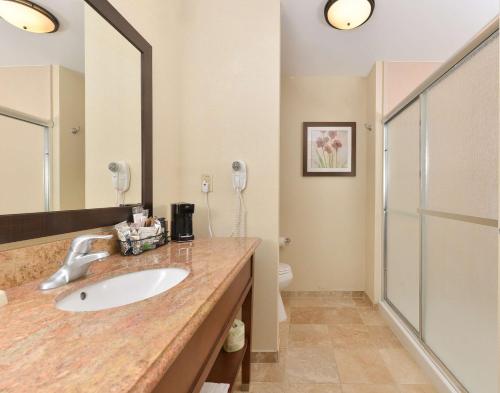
77,261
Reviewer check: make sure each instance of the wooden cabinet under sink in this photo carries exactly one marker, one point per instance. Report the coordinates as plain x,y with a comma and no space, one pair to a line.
202,359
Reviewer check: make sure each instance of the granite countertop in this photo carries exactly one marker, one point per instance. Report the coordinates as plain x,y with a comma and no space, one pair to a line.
124,349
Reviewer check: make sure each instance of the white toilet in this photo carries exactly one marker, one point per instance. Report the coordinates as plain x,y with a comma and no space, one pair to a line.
285,277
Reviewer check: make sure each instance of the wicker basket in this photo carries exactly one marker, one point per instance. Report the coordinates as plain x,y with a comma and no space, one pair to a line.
136,247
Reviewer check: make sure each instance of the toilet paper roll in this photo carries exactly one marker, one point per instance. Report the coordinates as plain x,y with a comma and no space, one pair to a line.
235,340
284,241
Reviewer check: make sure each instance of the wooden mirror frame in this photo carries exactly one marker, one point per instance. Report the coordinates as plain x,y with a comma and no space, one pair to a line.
16,227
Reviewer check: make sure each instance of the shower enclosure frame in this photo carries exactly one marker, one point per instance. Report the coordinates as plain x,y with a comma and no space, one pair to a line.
47,126
420,95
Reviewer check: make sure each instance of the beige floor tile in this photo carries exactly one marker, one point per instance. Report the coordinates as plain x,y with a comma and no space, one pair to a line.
313,388
403,367
311,365
362,302
372,317
267,387
362,366
369,388
286,302
308,336
311,301
284,334
269,372
325,315
345,315
383,337
350,336
417,389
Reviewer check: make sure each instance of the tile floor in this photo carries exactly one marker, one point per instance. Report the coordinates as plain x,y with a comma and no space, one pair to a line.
338,344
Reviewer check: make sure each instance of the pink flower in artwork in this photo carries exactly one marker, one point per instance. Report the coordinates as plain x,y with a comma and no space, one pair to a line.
336,144
328,148
320,143
332,134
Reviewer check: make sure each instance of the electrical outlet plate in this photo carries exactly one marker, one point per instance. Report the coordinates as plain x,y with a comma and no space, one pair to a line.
206,179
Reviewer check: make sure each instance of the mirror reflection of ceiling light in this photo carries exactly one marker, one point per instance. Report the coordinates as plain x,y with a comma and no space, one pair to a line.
348,14
28,16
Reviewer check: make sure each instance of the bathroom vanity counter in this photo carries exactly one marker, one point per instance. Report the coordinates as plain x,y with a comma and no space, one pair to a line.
131,348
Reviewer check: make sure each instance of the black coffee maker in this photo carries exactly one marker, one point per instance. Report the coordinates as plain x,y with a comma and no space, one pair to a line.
182,222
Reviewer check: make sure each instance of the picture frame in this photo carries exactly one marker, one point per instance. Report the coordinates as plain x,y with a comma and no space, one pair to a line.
329,149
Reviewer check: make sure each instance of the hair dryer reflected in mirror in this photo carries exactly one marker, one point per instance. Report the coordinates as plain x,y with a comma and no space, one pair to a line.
120,177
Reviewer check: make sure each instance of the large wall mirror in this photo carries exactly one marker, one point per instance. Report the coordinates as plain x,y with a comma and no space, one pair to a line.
75,112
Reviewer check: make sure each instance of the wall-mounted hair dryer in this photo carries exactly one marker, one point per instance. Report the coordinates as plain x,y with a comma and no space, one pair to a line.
239,177
120,176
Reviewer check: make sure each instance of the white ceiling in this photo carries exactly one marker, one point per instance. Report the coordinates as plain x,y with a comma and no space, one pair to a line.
425,30
65,46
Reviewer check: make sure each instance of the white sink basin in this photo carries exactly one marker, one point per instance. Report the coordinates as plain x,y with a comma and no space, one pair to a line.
121,290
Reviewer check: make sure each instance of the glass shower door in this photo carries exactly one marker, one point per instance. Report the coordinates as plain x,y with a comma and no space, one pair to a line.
459,224
402,261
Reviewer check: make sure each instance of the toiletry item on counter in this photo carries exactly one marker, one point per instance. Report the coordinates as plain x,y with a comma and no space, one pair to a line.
182,222
145,234
140,215
3,298
235,340
209,387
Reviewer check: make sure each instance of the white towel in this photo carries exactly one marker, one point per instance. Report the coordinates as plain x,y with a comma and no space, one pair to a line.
209,387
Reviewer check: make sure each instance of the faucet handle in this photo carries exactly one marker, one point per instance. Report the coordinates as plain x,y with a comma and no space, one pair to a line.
82,244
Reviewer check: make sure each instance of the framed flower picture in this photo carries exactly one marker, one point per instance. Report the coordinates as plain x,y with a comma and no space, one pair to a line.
329,149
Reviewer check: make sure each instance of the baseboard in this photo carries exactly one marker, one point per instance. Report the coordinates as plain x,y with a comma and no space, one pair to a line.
264,357
436,374
353,294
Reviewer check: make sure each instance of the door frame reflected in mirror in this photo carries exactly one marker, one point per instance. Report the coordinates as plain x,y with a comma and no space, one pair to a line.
17,227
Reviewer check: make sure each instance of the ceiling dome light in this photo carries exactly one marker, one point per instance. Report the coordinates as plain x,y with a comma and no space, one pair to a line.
348,14
28,16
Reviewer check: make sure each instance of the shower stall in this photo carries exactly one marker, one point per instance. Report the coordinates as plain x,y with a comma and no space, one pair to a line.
441,215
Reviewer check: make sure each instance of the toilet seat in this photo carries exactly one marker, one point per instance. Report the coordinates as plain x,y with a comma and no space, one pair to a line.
285,275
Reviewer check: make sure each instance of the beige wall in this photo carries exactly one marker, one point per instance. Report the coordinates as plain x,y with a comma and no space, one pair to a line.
158,22
324,216
370,182
401,77
230,110
374,194
25,89
68,158
112,111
